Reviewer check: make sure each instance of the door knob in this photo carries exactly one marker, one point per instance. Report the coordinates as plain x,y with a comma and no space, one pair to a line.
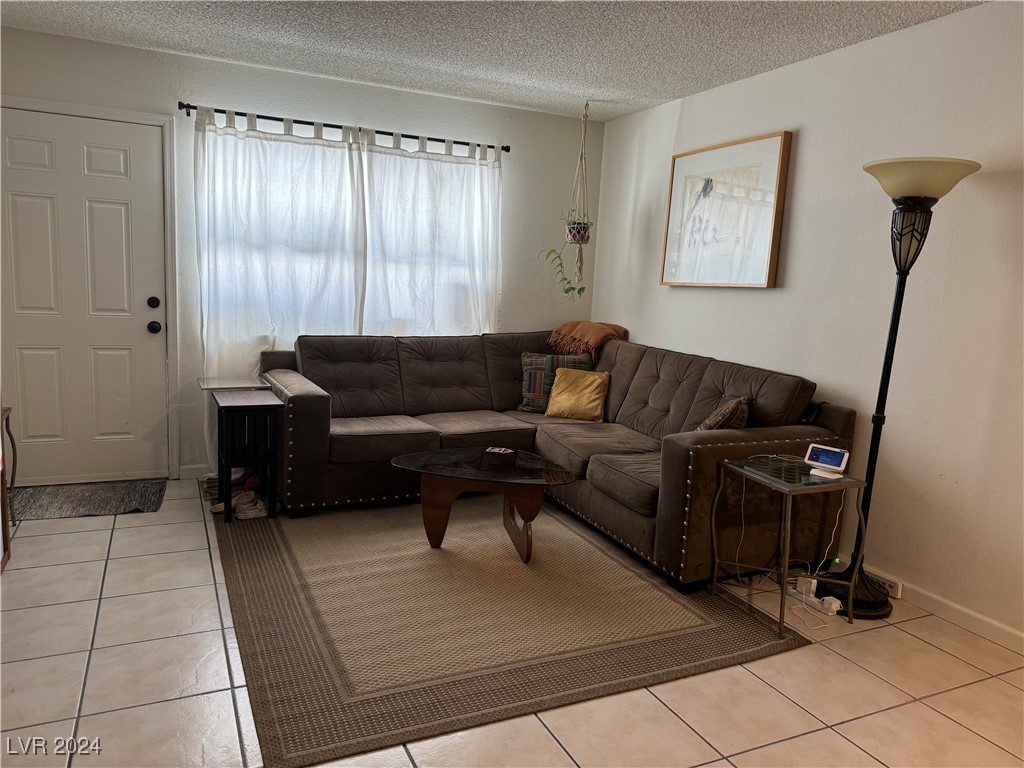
153,302
154,327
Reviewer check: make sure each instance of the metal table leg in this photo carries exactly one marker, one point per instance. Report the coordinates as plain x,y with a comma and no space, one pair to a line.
787,516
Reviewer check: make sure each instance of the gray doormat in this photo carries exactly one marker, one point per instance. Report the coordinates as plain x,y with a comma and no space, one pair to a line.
47,502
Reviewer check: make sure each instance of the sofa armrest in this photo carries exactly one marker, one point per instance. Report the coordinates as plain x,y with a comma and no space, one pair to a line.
302,470
689,477
839,420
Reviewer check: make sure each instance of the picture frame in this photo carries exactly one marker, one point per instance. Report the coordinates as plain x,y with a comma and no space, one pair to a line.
724,220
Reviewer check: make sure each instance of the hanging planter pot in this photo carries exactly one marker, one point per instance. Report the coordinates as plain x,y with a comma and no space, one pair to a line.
577,223
577,232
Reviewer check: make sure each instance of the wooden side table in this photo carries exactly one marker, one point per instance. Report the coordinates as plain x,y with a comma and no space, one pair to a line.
248,435
5,415
790,476
5,525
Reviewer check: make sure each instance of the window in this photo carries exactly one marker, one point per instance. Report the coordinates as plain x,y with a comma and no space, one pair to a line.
337,235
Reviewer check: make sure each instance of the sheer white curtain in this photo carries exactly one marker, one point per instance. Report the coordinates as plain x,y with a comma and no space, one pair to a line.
334,234
282,241
434,240
305,234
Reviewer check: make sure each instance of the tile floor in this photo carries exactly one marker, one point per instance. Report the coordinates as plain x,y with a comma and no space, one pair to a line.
119,629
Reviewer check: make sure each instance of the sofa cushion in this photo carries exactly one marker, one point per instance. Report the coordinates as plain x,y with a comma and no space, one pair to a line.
572,445
620,359
536,419
777,399
539,376
360,373
632,480
379,438
578,395
503,355
661,392
443,373
464,429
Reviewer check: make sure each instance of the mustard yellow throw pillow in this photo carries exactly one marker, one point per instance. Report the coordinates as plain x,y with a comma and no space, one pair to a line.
578,395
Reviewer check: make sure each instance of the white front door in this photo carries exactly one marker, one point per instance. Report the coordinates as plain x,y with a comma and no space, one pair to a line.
83,262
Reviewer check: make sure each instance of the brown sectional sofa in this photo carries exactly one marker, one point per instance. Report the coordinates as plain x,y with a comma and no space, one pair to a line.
645,477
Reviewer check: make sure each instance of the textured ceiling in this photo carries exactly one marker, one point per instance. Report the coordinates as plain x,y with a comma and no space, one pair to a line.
544,56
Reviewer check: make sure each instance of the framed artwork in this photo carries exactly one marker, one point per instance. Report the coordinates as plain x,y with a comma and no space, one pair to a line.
725,214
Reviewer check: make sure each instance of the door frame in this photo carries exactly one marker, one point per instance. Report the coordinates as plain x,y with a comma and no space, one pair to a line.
166,125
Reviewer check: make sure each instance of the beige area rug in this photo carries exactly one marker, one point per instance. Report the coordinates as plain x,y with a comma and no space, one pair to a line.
355,635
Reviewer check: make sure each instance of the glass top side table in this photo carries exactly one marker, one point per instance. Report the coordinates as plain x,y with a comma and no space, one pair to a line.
220,384
790,477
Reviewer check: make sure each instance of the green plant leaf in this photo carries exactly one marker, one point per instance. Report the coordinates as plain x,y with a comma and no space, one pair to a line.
569,289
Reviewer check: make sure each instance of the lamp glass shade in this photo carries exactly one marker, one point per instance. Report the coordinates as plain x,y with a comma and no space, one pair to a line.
920,176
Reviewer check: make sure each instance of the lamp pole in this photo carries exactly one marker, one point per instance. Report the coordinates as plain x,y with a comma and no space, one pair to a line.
915,185
910,223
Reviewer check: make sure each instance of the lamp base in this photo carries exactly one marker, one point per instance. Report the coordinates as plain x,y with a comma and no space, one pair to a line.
870,599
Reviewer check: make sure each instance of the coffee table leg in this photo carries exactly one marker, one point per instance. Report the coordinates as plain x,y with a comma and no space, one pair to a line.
527,504
437,494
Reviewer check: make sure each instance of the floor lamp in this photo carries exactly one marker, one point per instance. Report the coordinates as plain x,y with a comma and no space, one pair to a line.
915,184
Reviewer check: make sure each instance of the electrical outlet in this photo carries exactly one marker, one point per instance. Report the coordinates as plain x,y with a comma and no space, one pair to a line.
895,587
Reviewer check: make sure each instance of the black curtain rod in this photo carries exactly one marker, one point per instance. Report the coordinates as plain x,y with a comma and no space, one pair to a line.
190,107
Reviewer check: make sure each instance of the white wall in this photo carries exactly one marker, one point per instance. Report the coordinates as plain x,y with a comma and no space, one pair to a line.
538,173
947,512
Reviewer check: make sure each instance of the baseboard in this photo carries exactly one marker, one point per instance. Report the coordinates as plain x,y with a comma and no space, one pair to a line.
997,632
194,471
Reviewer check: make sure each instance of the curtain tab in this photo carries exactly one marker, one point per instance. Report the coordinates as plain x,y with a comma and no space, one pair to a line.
318,130
396,140
423,143
229,118
289,127
205,117
250,122
474,149
448,145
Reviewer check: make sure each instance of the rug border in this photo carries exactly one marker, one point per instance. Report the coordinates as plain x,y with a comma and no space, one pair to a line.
274,755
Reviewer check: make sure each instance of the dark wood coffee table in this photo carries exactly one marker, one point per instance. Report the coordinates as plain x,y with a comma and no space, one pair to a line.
519,476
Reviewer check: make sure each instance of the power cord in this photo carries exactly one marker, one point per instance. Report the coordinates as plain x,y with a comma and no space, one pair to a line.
805,592
839,514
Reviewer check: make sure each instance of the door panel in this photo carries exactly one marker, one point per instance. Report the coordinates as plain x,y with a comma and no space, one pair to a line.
32,234
82,251
25,153
106,161
108,250
113,389
40,375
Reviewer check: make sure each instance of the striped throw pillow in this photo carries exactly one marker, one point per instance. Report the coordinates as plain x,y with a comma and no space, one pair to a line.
539,375
730,415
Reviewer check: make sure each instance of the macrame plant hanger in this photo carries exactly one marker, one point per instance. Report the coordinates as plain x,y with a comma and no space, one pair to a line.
577,220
